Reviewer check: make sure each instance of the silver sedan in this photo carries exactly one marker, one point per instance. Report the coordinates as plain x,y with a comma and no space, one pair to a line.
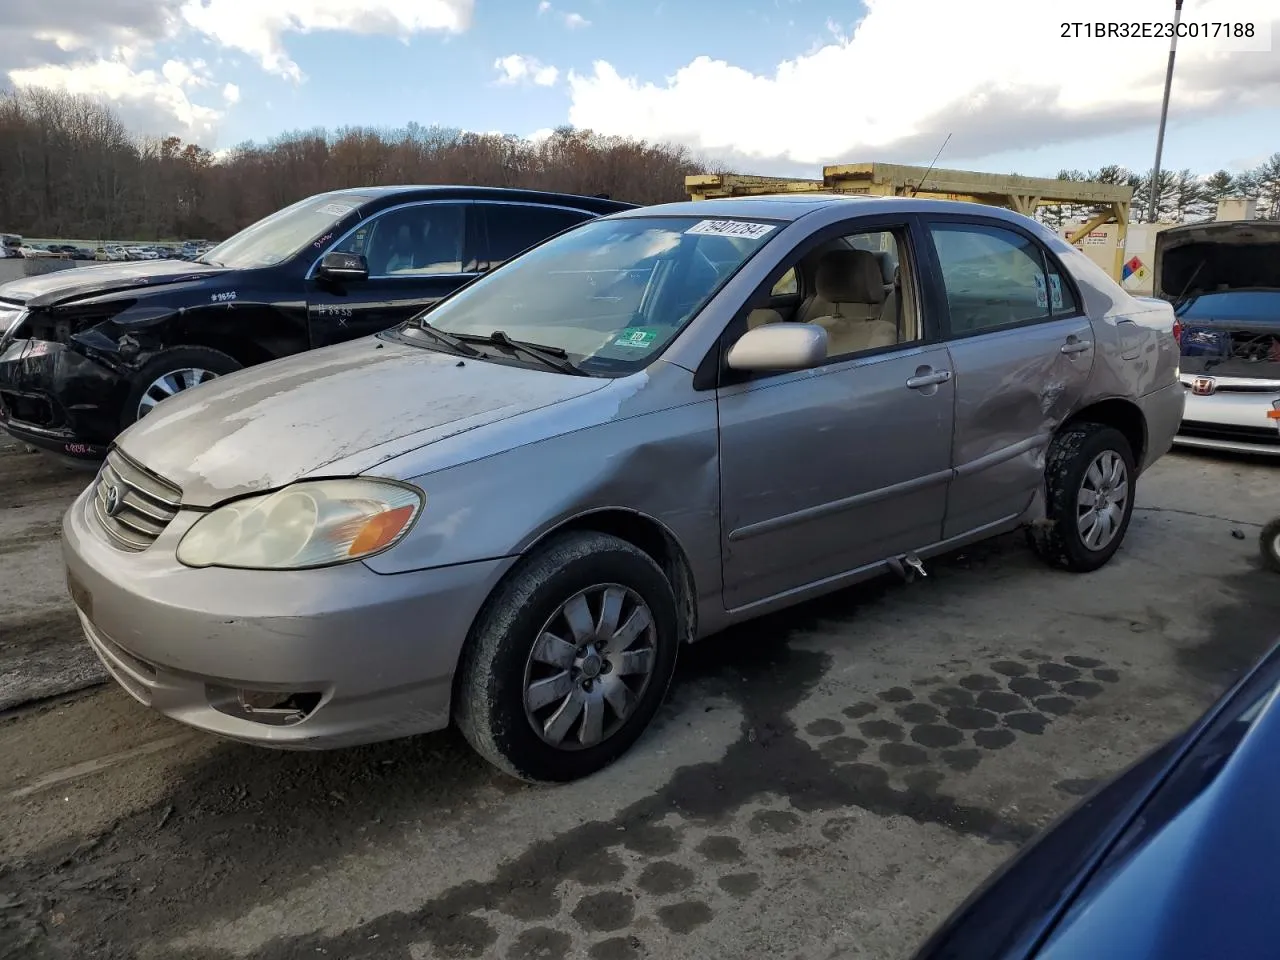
511,511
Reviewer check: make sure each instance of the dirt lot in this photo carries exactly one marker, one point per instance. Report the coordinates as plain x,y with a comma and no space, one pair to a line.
827,783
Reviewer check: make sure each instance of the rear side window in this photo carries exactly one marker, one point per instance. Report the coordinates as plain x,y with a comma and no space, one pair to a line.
996,278
516,227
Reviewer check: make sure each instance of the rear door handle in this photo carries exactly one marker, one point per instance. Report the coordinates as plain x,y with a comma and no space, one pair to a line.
1077,346
928,379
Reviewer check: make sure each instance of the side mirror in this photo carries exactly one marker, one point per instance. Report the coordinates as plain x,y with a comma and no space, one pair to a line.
343,266
779,346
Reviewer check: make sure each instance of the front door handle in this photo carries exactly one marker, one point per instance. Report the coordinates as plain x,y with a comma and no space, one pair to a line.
928,379
1077,346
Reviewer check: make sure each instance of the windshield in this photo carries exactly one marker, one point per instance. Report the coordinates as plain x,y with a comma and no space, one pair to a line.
1235,305
611,293
281,235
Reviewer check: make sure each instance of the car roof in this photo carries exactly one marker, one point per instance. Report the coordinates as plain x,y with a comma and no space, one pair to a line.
409,192
792,206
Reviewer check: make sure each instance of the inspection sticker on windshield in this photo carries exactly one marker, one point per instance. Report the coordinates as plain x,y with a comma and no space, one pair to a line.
335,209
637,338
731,228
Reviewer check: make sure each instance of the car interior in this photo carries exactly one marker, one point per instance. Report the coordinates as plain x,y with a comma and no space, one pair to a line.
852,288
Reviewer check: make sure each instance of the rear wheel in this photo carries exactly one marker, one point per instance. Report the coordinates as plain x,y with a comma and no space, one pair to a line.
1269,542
171,372
569,660
1090,482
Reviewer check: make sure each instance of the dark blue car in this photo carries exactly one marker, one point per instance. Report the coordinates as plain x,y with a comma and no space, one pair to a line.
1175,859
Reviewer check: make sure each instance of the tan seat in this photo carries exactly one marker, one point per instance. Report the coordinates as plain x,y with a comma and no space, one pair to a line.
848,298
758,318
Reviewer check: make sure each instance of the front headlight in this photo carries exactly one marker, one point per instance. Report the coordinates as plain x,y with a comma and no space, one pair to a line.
315,523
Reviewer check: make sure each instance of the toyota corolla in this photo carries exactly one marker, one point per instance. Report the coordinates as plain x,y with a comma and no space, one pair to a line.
512,510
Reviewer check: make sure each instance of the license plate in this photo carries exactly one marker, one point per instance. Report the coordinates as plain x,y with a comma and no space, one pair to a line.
80,595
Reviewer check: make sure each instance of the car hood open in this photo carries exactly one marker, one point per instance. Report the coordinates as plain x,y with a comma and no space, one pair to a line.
1206,257
61,286
269,425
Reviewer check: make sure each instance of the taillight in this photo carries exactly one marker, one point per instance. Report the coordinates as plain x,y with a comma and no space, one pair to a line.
1177,333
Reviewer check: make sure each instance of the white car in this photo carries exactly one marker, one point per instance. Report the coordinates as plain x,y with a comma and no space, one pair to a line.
1225,281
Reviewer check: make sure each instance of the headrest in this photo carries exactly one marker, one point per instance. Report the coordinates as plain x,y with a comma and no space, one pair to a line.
849,276
888,266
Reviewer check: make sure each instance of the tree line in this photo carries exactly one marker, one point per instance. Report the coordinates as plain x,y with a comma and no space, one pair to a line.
70,169
1181,195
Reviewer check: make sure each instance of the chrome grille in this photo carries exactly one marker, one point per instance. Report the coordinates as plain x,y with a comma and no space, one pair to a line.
131,504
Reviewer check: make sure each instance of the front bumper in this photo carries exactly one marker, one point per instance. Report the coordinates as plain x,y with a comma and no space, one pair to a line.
1233,421
344,654
59,400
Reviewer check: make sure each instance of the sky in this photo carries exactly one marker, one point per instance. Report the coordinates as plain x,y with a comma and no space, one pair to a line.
762,86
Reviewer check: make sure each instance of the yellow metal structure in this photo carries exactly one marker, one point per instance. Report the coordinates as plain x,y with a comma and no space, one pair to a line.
1022,194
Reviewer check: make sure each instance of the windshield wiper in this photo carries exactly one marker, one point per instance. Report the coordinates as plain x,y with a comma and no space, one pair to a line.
553,357
448,339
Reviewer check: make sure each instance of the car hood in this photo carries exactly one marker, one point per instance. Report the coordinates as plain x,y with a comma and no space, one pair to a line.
1203,257
53,288
269,425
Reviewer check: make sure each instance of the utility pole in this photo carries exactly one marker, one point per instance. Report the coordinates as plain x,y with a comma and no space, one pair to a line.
1153,189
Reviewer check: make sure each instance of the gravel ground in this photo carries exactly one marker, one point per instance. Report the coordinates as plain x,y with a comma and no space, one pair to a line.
825,783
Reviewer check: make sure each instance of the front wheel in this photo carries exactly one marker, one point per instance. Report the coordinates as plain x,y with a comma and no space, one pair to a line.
569,660
1090,483
171,372
1269,543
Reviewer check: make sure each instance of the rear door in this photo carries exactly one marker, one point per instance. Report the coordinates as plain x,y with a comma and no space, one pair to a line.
1022,350
509,228
417,254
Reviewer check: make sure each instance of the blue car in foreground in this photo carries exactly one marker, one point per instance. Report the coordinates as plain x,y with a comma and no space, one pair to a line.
1174,859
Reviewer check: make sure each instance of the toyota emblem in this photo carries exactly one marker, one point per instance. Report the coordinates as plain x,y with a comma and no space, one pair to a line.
1202,386
113,500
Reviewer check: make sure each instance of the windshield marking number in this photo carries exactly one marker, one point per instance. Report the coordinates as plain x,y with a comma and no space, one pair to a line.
730,228
223,297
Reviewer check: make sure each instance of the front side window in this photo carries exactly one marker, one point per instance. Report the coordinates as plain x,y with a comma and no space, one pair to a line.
283,234
854,289
996,278
612,293
420,240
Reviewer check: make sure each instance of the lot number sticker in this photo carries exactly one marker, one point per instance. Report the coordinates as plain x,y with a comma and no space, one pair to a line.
730,228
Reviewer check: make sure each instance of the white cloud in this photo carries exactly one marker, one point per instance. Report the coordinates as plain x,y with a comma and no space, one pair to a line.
575,20
180,74
544,6
231,93
913,71
149,100
258,26
516,68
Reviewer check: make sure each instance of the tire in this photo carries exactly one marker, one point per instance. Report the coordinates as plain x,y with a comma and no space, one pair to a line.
498,661
1058,539
1269,543
173,362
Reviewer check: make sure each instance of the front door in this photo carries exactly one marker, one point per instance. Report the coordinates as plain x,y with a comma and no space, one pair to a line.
1022,349
827,470
416,253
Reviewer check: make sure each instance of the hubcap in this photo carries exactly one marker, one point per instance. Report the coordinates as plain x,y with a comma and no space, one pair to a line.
1101,502
590,666
174,382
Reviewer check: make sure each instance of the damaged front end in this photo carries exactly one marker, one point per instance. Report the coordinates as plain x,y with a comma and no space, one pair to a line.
65,371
